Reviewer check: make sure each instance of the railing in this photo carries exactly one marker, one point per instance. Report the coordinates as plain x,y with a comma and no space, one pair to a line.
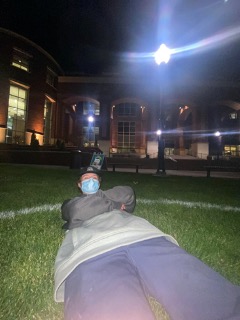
141,152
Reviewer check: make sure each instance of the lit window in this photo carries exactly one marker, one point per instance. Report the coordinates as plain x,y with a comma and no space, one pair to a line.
233,115
91,108
47,123
90,133
95,130
126,135
17,109
21,60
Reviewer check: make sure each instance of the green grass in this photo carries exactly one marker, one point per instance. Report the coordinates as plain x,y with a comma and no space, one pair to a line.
29,243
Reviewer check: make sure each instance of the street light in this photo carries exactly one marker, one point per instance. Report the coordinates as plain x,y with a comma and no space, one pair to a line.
163,54
90,119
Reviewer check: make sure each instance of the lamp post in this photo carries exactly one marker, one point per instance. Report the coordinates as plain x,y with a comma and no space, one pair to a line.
162,55
91,136
218,136
161,162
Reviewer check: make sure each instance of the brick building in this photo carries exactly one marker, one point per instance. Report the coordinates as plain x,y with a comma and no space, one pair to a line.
28,91
118,112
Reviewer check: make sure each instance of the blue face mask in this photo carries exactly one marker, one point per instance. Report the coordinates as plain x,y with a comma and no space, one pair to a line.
90,186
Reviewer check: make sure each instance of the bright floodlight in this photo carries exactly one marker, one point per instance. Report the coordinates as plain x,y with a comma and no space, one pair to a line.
217,134
162,54
159,132
90,119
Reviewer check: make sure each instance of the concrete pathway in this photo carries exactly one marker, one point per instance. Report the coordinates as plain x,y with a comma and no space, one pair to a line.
214,174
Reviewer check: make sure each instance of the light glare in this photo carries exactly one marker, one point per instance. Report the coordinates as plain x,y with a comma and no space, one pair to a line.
90,119
162,54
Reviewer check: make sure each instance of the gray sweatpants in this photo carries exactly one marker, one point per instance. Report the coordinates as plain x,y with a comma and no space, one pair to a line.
115,286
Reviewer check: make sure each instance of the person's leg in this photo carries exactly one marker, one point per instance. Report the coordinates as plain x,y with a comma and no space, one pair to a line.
106,288
186,287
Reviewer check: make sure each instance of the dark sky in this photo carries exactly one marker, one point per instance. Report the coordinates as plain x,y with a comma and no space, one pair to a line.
95,36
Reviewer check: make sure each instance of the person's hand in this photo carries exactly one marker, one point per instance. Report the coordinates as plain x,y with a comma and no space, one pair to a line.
123,207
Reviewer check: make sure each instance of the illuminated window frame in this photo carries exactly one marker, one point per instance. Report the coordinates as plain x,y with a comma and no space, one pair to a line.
17,113
91,108
126,135
96,130
90,133
21,60
48,119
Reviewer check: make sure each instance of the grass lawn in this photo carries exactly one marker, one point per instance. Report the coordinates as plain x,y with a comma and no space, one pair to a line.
202,214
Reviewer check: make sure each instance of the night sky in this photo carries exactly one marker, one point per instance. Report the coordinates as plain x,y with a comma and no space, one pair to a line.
95,36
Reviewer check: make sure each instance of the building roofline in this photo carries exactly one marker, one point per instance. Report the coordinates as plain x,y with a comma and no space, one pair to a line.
96,79
12,33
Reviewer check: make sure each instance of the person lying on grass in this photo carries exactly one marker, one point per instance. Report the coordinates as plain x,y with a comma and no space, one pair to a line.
94,201
111,262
